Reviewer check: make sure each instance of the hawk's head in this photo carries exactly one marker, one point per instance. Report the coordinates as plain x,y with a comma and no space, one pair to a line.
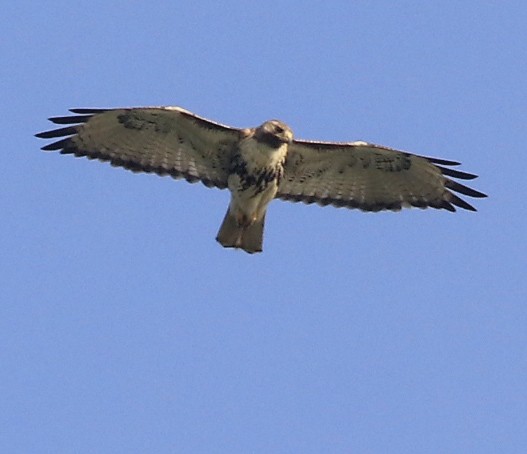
273,133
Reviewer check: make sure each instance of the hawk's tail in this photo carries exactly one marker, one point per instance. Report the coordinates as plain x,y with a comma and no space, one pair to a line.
249,238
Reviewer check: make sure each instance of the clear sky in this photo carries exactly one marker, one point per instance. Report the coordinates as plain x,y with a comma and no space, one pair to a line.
124,326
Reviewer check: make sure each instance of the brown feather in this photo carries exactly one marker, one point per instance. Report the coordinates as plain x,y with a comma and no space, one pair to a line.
165,141
370,177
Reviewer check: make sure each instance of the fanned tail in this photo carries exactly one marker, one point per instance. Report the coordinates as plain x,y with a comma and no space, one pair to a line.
246,237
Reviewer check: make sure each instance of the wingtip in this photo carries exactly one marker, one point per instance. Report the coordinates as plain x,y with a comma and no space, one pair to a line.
443,162
85,111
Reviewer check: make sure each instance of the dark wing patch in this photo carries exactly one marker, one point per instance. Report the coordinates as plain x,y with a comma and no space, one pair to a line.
165,141
371,178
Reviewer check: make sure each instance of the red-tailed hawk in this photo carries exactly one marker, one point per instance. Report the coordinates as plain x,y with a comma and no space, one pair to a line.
259,164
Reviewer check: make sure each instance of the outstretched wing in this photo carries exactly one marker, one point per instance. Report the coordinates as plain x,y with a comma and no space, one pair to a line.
370,177
162,140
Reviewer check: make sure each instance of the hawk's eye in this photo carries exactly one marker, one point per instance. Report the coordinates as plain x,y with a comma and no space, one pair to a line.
279,129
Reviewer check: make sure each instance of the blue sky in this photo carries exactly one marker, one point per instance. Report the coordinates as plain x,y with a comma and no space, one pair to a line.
124,326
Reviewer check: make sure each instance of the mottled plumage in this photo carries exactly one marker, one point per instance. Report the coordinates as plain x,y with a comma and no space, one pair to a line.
259,164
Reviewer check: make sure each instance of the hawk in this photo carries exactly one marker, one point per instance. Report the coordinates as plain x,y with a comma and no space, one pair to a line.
258,165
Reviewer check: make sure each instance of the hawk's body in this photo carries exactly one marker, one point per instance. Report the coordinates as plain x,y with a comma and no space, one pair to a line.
259,164
254,175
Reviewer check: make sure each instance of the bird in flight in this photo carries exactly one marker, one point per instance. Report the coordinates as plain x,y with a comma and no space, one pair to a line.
259,164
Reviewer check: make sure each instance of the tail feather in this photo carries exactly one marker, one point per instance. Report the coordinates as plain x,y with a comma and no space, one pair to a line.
249,238
252,237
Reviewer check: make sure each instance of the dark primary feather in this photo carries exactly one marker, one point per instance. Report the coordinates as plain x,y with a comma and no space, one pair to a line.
72,119
89,111
69,131
455,173
165,141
